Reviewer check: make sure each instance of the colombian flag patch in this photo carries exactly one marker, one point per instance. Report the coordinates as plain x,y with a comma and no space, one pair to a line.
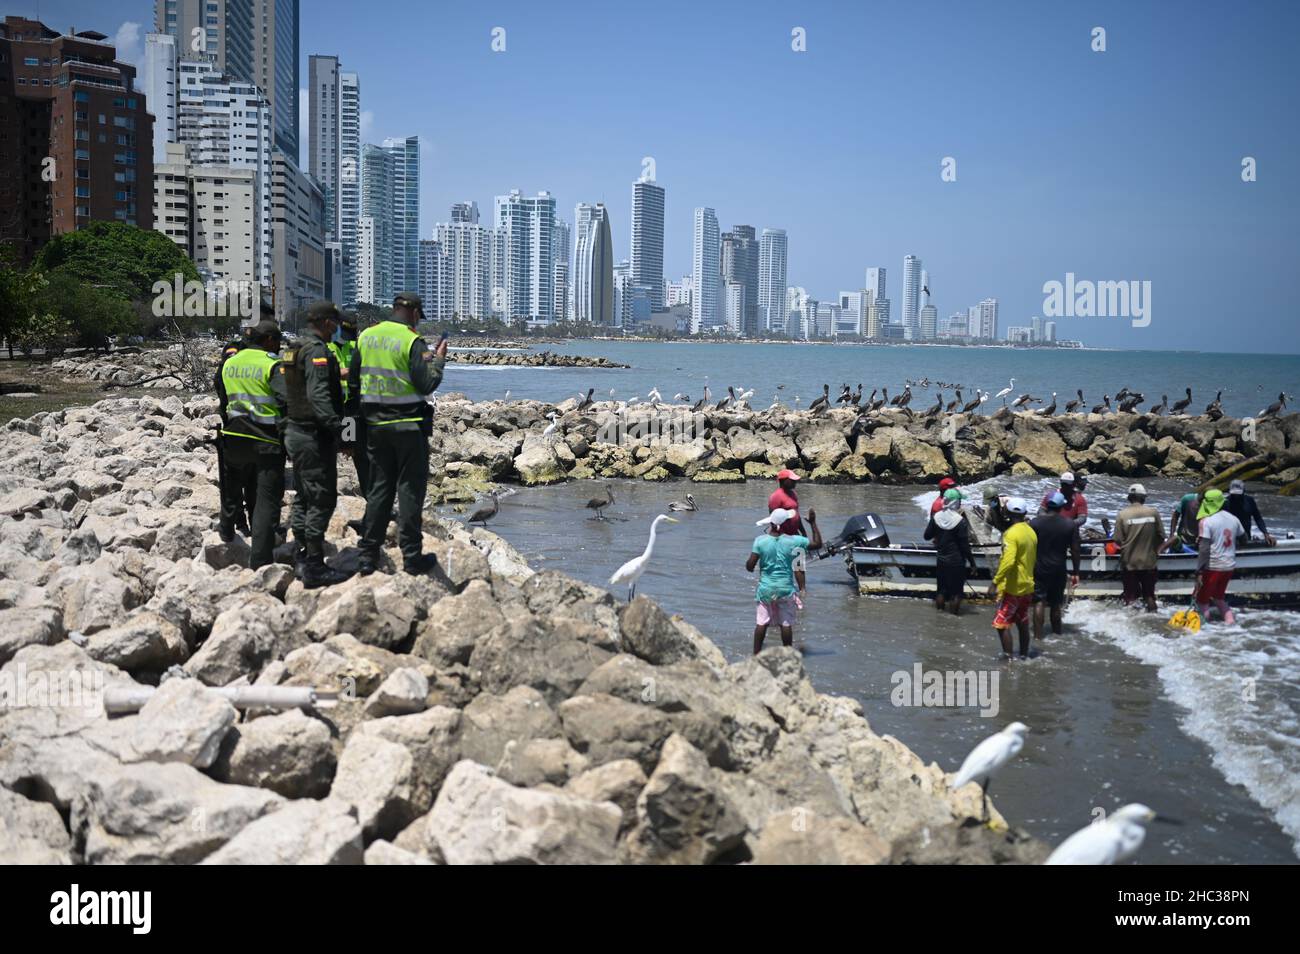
320,360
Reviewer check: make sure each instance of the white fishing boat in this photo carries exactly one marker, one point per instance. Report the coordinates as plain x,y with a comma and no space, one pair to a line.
1265,576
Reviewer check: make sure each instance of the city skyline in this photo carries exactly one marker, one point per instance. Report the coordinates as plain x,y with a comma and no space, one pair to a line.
1067,160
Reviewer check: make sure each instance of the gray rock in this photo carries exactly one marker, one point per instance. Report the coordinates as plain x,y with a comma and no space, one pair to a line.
804,838
406,690
31,833
183,721
606,729
143,641
540,761
554,658
480,819
649,633
82,546
303,832
619,782
28,626
492,721
245,638
290,753
386,853
449,635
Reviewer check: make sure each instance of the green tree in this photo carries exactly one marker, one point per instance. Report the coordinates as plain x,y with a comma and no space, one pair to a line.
121,258
43,331
95,315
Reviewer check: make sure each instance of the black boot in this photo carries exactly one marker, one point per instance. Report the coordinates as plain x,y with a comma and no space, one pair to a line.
226,531
316,573
421,564
367,564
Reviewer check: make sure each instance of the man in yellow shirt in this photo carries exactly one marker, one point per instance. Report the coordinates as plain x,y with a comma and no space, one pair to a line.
1014,581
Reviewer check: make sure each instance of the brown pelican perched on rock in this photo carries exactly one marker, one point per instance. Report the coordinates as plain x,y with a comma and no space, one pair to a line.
1215,408
1026,399
1181,406
1158,409
598,504
937,409
1103,407
1071,405
903,399
973,405
876,405
1275,408
1050,409
727,401
586,402
1131,402
822,402
485,512
954,403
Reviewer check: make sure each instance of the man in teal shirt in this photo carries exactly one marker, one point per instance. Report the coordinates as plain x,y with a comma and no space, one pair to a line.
779,583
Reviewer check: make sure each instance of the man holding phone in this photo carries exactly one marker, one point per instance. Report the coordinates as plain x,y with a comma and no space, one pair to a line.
395,372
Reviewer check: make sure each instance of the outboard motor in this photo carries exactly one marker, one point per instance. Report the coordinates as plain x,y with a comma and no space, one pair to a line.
866,529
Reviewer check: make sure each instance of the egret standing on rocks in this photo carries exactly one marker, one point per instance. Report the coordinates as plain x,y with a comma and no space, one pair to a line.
1005,391
988,758
1108,842
631,571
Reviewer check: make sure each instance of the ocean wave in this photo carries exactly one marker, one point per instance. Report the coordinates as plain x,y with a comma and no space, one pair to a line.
1237,687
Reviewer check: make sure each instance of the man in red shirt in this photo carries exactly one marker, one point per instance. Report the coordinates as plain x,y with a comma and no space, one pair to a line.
1076,505
944,485
784,498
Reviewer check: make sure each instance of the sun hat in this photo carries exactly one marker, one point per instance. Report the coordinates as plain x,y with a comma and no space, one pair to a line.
1017,505
1211,505
777,517
787,475
1056,501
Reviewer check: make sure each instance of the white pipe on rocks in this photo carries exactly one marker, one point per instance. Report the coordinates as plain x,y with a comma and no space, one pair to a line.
120,700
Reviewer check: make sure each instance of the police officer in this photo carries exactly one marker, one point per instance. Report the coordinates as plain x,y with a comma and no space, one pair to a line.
251,394
314,406
236,499
343,346
395,371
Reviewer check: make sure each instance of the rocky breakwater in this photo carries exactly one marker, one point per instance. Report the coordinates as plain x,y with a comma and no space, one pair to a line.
506,441
486,713
170,367
525,359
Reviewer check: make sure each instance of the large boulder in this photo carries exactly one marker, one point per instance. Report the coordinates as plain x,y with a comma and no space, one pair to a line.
650,634
449,635
305,832
245,638
31,833
143,641
183,721
40,625
289,753
537,463
491,722
803,838
481,819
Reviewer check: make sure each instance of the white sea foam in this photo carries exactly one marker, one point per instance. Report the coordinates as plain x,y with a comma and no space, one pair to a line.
1238,689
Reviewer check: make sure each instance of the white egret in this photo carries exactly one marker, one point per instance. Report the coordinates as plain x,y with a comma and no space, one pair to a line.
654,396
631,571
746,396
550,428
507,397
1110,841
988,758
1005,391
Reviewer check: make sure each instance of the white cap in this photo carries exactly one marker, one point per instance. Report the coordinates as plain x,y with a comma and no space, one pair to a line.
776,517
1067,477
1017,505
1137,489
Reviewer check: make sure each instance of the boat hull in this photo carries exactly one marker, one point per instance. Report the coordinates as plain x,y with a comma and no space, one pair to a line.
1265,576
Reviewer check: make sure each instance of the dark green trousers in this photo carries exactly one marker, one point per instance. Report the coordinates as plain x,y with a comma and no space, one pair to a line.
237,492
361,455
315,482
399,469
259,468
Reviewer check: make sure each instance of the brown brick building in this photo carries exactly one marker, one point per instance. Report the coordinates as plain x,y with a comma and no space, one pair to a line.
65,97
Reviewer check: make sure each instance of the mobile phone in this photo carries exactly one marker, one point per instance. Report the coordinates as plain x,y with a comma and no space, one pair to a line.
444,336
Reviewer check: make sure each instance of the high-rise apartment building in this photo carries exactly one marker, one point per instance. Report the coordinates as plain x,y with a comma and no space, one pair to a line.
560,260
297,239
593,265
406,211
648,239
468,254
334,159
466,212
528,224
390,198
76,135
772,293
740,255
209,211
876,282
706,273
226,122
989,319
159,82
435,282
251,40
911,295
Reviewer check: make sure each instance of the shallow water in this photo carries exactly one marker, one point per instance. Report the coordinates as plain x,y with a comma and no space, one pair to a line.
1119,709
1249,382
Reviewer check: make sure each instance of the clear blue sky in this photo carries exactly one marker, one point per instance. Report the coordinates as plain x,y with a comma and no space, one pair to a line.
1117,165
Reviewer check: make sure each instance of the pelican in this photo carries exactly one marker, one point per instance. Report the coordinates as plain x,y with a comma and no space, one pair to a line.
631,571
586,402
822,402
988,758
482,514
1108,842
728,400
1275,408
857,396
688,507
1214,405
1131,402
1159,409
955,402
937,408
1050,409
1181,406
597,504
1024,399
1005,391
973,405
1071,405
1103,407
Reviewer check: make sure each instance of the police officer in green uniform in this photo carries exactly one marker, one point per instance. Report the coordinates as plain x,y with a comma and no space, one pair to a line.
236,499
314,406
344,346
395,371
251,395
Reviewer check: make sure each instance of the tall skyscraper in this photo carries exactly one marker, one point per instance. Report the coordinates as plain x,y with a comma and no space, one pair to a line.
876,282
740,254
251,40
989,319
435,282
560,268
706,273
297,238
911,294
593,264
66,97
158,81
772,280
928,322
375,241
406,211
334,159
208,211
528,223
226,122
648,239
